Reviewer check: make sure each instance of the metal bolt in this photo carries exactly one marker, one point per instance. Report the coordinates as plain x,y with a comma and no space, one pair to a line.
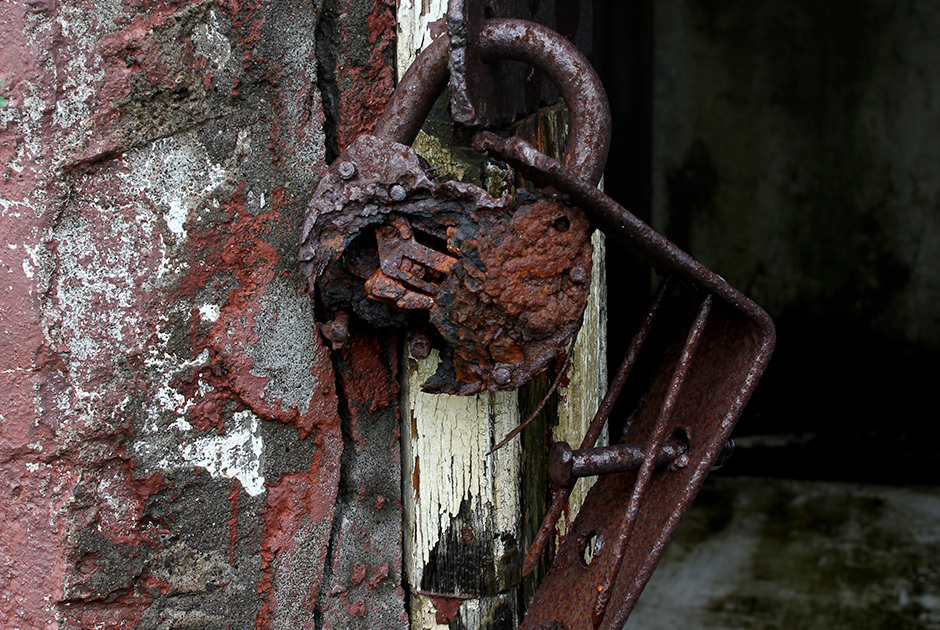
502,376
420,346
397,192
337,331
578,275
566,465
346,169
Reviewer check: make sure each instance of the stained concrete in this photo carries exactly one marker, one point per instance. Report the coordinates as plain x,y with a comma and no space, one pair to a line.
767,554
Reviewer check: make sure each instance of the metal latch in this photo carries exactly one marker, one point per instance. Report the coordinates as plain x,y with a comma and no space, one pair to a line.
502,285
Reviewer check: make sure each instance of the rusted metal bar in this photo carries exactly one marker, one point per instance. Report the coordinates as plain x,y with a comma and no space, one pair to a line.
492,92
733,347
561,496
566,465
616,221
518,40
663,424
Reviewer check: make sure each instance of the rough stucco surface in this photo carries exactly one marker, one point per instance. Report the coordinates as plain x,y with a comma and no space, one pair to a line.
795,153
171,434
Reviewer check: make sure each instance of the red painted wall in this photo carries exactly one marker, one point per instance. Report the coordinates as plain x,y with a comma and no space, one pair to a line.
177,446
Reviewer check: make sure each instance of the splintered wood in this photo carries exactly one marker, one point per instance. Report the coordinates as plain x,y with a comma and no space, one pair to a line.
464,532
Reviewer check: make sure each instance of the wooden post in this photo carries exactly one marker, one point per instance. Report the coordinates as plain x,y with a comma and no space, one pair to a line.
465,527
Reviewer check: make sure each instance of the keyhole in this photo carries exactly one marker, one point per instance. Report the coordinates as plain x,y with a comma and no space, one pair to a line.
561,224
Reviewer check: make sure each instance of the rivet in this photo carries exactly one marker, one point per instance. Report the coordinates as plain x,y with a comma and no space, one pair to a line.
420,347
397,193
346,169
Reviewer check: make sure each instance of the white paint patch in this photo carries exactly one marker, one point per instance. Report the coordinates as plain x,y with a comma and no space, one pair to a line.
453,436
414,34
178,174
210,312
166,399
211,43
234,455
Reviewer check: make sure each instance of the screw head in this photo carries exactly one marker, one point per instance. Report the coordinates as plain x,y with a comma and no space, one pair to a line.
502,376
346,169
397,193
420,347
578,274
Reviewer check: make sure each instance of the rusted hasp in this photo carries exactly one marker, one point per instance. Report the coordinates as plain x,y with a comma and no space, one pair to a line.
502,283
694,399
499,284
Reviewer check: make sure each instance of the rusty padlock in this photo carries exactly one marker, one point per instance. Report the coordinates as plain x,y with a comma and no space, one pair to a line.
501,281
383,240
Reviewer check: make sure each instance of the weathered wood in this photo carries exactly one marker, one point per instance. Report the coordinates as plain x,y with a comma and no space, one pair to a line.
467,516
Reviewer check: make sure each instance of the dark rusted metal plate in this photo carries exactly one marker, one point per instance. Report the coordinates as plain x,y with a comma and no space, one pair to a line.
503,281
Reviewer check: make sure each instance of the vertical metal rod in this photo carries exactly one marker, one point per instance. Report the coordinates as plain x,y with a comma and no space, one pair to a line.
619,544
561,496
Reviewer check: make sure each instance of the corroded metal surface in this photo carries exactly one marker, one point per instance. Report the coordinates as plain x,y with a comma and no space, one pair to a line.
491,92
518,40
695,396
503,281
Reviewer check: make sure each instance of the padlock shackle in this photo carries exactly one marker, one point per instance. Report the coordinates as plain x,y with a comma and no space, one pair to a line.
516,40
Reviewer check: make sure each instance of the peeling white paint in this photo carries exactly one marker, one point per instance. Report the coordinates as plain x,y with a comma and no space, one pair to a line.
453,436
166,399
210,42
178,175
445,438
414,34
210,312
234,455
587,378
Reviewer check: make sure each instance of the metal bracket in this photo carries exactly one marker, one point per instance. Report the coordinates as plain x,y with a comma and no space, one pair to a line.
692,404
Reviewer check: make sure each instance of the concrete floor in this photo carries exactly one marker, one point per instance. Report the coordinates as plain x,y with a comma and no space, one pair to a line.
756,553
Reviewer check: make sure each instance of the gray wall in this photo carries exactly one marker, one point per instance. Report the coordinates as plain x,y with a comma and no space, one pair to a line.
795,151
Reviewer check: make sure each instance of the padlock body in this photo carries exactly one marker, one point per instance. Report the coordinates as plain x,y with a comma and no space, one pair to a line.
503,281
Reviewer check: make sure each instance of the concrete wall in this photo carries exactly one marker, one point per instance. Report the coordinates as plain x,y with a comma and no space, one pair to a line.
795,152
172,433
